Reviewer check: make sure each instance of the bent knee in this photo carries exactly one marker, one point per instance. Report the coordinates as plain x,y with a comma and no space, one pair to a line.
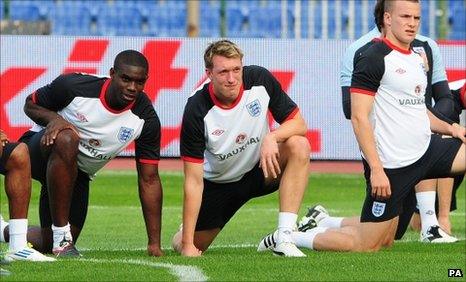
19,158
298,146
67,140
368,247
388,243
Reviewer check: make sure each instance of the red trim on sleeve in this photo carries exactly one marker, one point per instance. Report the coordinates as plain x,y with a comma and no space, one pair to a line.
192,160
104,101
217,102
452,42
291,115
145,161
463,95
361,91
399,49
34,97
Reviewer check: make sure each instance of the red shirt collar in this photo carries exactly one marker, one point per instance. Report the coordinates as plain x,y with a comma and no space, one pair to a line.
217,102
104,101
391,45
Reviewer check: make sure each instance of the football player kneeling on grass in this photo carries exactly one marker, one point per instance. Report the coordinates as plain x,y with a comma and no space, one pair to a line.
230,156
399,149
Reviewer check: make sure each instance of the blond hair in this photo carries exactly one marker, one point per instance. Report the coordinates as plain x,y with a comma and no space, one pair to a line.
224,48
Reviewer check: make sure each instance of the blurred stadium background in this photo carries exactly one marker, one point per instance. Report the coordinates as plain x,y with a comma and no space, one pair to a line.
316,19
300,41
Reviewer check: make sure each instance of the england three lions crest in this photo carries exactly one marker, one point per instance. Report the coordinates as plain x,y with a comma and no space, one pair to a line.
254,108
378,208
125,134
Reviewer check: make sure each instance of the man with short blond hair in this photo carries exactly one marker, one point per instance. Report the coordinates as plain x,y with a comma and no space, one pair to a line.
230,156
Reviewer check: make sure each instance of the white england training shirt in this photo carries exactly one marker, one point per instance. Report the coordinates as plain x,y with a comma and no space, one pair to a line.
104,132
399,117
436,75
228,140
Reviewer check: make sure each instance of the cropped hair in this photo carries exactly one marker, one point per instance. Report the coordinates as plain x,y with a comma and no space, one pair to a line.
224,48
131,58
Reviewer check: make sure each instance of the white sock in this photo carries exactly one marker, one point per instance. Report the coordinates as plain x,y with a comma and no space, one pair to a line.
331,222
286,223
3,225
426,202
306,239
18,231
60,233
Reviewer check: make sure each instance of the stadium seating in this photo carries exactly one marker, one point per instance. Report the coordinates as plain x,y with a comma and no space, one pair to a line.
252,18
457,20
114,20
70,18
167,20
209,19
235,19
24,10
265,22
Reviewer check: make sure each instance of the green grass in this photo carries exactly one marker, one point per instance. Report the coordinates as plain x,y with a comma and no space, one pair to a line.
114,240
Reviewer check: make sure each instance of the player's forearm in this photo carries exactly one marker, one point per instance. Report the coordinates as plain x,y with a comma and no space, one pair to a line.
292,127
150,195
38,114
365,137
439,126
191,206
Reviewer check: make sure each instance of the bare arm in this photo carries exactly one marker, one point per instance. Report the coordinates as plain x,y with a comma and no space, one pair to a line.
439,126
150,195
193,188
269,159
3,141
53,122
361,106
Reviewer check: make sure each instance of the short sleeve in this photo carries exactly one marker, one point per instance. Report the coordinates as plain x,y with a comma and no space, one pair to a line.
55,95
148,143
192,140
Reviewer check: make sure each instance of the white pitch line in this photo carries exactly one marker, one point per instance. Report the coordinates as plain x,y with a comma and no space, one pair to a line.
229,246
182,272
225,246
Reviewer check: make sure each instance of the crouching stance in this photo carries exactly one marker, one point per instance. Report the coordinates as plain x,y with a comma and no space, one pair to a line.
229,154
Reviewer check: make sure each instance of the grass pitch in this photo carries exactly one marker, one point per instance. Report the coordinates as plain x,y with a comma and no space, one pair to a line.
113,242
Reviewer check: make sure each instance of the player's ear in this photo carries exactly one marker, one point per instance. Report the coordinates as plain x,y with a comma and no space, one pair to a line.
112,72
387,18
208,72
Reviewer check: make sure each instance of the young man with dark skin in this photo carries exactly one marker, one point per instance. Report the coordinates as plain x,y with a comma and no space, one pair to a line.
230,156
15,165
82,122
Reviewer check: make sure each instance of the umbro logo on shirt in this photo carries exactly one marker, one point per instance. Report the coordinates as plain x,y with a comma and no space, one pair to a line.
81,117
400,71
218,132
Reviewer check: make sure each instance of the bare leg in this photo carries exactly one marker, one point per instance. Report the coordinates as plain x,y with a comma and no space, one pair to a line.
61,175
350,221
444,192
294,157
459,163
366,237
415,222
202,239
18,182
